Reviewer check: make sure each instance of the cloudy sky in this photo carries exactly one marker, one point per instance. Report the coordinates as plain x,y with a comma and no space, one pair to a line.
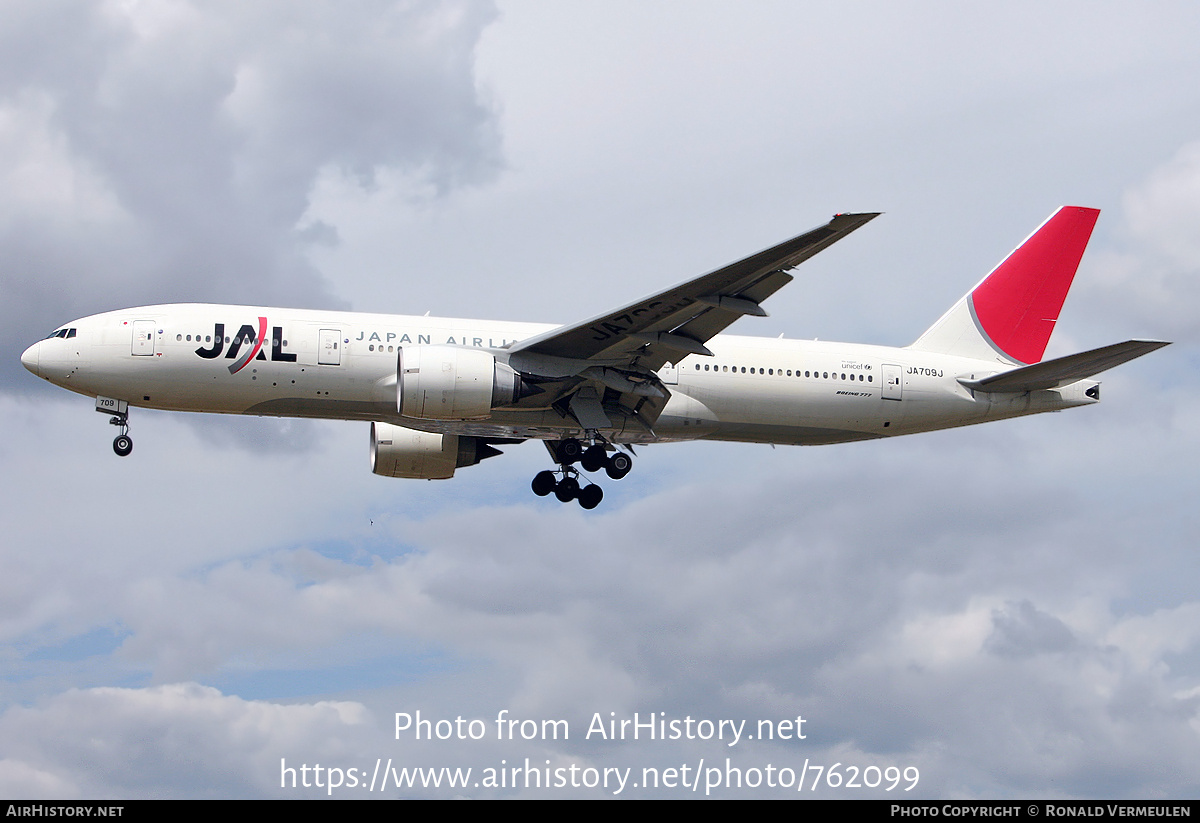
1010,610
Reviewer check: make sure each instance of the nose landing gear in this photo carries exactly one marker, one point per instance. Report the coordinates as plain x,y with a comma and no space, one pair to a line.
119,409
563,482
122,443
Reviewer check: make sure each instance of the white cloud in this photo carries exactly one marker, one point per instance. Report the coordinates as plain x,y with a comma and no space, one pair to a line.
1150,285
173,740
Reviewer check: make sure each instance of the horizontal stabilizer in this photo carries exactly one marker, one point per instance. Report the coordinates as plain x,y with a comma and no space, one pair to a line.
1063,371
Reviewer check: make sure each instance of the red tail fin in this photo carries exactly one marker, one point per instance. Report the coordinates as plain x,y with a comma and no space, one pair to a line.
1011,314
1017,305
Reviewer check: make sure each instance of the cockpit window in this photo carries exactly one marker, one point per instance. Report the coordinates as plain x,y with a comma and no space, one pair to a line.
60,333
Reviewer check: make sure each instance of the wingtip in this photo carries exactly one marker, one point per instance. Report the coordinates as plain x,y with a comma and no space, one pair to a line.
859,217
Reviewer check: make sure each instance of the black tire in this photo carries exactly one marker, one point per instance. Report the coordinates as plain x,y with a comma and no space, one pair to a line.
122,445
543,483
594,459
567,490
569,451
619,465
590,497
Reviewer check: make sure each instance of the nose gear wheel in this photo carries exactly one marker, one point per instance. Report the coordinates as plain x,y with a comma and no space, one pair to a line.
122,443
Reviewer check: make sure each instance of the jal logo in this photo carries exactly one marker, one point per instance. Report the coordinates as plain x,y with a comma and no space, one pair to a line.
251,340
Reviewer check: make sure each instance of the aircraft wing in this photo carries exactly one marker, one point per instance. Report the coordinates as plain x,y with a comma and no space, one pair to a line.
602,372
665,327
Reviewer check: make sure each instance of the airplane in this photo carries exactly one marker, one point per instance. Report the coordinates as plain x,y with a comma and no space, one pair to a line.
442,394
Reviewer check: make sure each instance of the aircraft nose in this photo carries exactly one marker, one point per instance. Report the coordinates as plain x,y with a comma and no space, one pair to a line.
29,358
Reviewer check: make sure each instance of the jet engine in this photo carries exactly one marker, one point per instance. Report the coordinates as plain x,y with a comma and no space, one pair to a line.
397,451
453,383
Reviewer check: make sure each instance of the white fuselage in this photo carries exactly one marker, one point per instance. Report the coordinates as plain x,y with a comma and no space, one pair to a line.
341,365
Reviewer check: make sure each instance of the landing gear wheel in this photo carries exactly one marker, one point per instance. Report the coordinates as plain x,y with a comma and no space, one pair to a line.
590,497
564,482
122,443
567,490
594,459
544,483
618,465
569,451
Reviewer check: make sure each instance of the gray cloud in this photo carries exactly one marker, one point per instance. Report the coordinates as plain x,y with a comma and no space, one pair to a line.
1020,630
166,152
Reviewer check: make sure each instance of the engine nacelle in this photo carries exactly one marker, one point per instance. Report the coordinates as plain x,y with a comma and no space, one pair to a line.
397,451
452,383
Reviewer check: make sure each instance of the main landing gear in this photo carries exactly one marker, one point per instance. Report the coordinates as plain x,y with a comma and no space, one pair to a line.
122,443
564,483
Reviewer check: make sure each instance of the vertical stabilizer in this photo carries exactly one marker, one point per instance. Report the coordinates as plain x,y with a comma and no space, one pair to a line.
1011,314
